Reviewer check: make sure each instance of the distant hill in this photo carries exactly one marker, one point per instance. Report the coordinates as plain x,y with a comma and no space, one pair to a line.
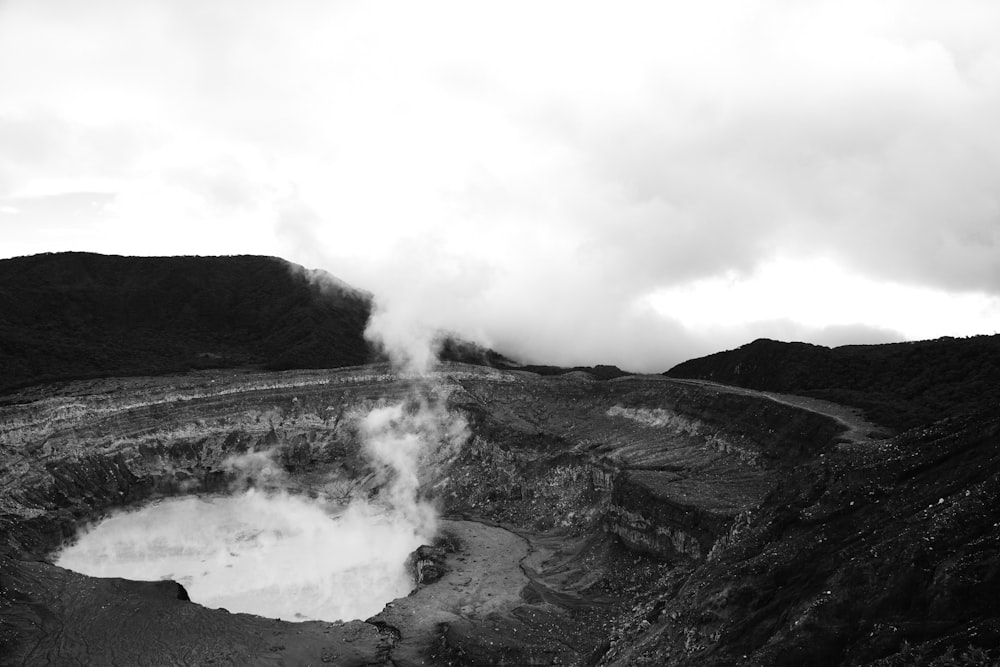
79,315
599,372
76,315
900,385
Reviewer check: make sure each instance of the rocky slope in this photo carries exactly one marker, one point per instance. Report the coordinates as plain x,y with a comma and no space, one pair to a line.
899,385
882,554
640,520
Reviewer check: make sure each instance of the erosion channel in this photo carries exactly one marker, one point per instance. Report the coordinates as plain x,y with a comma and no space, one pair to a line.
567,498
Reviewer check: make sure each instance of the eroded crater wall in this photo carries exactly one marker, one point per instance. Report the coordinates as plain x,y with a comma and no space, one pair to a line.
662,466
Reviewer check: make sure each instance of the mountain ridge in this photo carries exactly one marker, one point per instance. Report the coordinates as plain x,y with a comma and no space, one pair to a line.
79,315
83,315
899,385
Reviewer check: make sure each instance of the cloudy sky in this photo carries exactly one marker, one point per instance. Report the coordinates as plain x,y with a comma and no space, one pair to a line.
572,182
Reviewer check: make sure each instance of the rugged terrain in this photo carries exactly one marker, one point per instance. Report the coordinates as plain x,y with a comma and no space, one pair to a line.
640,520
591,517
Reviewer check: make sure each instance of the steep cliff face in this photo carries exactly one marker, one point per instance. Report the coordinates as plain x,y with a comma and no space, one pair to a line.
880,554
82,450
666,464
655,521
645,459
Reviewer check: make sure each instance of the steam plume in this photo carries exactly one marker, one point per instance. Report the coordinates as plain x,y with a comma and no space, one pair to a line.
411,344
401,440
262,550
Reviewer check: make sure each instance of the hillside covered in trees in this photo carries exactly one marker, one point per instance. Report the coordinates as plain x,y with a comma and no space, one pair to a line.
80,315
899,385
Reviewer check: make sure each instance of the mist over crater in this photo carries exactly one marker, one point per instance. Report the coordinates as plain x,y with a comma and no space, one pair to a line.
269,554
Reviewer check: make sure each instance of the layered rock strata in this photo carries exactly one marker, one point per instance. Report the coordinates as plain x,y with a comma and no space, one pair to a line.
661,465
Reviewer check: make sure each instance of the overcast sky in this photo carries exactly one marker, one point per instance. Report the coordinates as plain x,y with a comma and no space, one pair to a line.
572,182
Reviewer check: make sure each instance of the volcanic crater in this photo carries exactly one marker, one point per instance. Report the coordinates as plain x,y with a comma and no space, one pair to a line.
593,518
561,481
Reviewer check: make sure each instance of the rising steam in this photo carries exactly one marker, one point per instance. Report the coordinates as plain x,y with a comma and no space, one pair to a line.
400,439
264,551
271,554
401,332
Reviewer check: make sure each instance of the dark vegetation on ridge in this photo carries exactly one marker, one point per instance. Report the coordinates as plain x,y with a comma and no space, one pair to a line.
80,315
900,385
76,315
599,372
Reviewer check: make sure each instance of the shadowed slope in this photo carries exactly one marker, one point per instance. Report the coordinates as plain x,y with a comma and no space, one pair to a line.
70,316
900,385
77,315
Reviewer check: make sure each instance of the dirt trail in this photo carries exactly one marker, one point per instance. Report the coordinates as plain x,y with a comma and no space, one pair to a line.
857,428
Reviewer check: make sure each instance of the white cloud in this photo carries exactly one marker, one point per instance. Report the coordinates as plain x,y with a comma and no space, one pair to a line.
821,294
531,173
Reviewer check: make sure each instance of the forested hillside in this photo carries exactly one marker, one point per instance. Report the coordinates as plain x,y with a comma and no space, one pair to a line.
899,385
78,315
